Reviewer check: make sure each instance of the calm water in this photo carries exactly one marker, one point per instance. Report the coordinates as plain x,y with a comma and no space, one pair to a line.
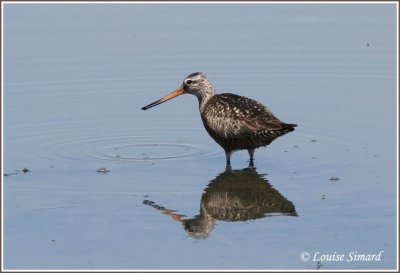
76,76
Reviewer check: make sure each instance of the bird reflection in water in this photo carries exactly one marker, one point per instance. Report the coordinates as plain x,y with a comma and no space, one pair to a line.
234,195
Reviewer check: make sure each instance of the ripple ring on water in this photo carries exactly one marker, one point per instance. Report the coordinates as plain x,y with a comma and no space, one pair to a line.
150,151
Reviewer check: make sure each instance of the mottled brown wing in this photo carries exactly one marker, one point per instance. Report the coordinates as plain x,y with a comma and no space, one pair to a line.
233,116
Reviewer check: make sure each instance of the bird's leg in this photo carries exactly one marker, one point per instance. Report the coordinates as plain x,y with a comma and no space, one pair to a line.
251,153
228,157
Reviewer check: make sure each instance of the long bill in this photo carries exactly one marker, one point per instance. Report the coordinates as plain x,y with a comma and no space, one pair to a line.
174,94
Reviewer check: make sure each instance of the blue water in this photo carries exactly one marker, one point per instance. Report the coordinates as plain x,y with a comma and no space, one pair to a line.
76,76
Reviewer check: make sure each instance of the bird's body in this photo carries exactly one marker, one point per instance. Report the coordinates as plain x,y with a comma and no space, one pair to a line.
234,122
238,123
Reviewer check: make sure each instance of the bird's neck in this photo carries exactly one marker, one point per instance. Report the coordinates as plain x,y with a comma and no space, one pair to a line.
204,96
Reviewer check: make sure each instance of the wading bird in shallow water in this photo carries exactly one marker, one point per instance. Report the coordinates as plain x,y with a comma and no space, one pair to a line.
234,122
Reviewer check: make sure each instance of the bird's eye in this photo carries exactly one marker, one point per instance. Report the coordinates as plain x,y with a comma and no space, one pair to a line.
189,81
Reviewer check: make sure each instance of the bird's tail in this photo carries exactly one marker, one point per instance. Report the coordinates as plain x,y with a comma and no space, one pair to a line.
289,126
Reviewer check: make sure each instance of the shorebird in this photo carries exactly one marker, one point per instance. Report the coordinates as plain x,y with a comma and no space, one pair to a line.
234,122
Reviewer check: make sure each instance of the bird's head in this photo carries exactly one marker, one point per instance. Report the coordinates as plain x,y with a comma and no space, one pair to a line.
196,84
